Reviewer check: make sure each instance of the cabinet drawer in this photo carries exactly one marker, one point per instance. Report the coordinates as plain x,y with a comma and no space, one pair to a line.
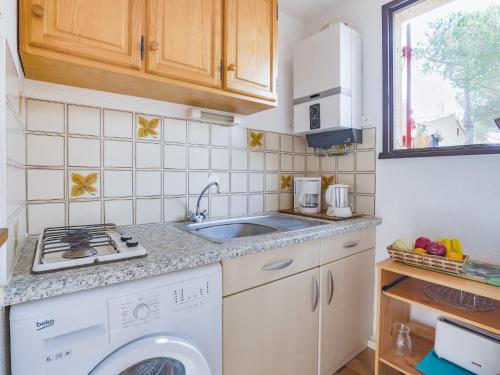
337,247
249,271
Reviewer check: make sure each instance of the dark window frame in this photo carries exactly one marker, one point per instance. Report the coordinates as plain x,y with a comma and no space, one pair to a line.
388,151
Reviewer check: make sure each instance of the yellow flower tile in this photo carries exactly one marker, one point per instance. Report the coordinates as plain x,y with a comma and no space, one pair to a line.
148,127
286,182
255,140
326,181
84,184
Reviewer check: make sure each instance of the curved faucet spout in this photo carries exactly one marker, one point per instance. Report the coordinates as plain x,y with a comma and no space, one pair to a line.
200,216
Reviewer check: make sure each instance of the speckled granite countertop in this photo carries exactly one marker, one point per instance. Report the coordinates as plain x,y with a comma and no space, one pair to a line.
169,249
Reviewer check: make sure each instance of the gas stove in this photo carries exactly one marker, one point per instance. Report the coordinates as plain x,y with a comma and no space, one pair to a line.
61,248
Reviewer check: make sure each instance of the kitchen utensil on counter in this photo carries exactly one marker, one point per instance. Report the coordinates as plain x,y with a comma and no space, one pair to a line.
307,195
401,344
337,198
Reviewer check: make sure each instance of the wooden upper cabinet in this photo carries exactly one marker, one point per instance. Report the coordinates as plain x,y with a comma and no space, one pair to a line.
251,47
109,31
184,40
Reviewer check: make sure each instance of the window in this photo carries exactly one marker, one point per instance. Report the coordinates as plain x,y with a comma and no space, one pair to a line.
441,62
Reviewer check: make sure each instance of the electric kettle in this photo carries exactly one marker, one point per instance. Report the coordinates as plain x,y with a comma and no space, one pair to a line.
337,198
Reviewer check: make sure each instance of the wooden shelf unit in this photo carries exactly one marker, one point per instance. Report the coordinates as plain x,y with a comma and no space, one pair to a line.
394,304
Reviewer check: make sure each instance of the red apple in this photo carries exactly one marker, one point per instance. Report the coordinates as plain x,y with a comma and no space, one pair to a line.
422,242
436,248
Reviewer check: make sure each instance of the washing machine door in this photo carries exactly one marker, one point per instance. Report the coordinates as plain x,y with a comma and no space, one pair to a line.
154,355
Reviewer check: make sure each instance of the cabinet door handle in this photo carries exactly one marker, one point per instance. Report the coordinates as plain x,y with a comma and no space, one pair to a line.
37,10
349,244
154,46
231,67
278,265
331,287
315,293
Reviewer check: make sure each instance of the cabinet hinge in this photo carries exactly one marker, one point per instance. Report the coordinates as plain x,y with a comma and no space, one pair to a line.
221,70
142,47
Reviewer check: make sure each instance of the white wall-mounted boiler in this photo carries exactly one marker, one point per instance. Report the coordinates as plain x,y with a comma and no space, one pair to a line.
327,81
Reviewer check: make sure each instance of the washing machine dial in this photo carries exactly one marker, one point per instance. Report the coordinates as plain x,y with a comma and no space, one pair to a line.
141,311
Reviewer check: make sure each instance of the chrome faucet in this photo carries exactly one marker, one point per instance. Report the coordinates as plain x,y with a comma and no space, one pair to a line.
198,216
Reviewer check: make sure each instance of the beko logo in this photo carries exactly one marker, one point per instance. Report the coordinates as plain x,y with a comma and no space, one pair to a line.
44,324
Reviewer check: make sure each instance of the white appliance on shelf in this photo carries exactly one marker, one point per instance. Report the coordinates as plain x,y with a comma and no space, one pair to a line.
168,324
307,195
327,81
469,347
337,198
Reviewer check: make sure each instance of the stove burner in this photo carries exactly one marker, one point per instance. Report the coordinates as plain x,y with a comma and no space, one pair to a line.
81,252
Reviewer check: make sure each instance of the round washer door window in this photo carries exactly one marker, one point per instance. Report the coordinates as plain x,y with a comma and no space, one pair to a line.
154,355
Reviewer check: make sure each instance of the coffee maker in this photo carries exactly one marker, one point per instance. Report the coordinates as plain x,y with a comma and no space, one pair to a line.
307,195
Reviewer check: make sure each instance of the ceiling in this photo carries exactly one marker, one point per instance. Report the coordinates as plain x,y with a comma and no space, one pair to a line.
306,10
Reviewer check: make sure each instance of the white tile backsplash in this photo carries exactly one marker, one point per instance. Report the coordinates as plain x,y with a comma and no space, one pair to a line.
148,176
43,215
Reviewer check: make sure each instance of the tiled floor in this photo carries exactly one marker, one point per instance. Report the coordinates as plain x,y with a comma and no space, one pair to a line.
363,364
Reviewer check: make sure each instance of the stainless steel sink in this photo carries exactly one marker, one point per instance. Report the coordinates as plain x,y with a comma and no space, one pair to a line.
233,228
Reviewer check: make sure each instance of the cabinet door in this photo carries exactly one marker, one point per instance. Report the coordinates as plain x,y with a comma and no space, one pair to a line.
108,31
184,40
273,329
346,309
251,47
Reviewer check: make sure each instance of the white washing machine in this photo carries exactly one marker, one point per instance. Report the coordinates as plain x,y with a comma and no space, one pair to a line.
163,325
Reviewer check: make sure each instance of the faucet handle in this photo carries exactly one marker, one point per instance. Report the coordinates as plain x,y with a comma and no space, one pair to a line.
204,213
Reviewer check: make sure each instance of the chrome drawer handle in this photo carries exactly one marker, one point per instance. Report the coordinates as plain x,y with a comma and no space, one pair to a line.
278,265
315,292
331,287
350,244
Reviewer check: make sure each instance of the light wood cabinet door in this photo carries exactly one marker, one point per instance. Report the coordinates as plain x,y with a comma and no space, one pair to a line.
250,39
273,329
184,40
346,309
109,31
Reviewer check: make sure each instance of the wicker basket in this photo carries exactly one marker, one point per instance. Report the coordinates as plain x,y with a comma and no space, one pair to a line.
431,262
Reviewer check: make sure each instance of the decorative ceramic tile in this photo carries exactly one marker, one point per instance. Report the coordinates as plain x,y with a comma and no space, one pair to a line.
272,182
148,183
272,141
117,124
272,202
239,160
117,154
174,183
286,201
365,204
118,183
286,182
198,133
286,162
84,184
220,135
148,155
256,139
148,127
219,206
345,163
224,183
312,163
368,139
45,116
255,182
299,163
199,157
174,130
286,142
175,157
328,164
45,184
239,137
197,181
85,213
272,162
43,215
239,182
45,150
346,179
84,152
239,205
365,161
119,212
255,203
256,161
220,159
365,183
84,120
175,209
299,144
148,211
327,180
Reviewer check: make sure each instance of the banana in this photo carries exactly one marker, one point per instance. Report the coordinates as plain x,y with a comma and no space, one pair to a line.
456,246
447,243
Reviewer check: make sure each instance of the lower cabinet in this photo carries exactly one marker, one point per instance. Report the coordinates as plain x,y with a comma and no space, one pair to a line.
273,329
346,309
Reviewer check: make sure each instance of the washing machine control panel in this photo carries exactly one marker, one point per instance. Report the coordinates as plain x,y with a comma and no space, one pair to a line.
190,295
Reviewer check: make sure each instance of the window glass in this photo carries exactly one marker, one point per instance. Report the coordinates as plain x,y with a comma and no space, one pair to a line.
156,366
446,74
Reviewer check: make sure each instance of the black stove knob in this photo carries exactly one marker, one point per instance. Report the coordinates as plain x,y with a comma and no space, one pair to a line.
125,237
132,243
